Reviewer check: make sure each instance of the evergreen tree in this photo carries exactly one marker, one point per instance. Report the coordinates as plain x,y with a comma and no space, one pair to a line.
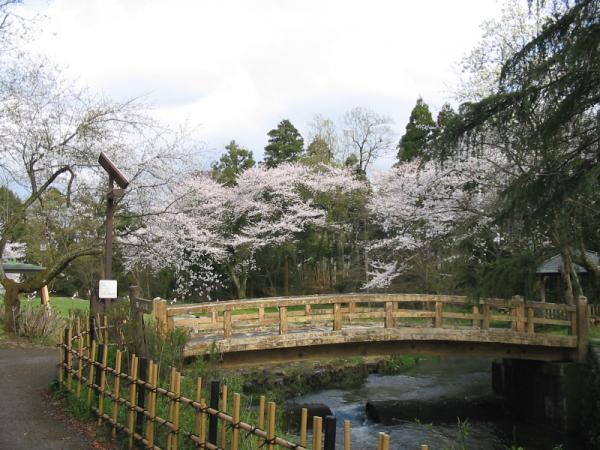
318,151
234,161
285,144
420,126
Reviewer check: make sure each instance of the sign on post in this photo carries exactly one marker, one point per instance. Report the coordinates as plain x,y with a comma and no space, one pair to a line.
107,289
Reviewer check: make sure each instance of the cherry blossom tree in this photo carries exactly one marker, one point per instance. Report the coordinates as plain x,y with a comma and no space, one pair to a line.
211,229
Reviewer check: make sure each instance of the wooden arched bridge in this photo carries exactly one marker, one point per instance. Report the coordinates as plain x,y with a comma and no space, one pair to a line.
291,328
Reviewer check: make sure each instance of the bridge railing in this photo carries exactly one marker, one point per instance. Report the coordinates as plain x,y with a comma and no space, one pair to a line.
284,315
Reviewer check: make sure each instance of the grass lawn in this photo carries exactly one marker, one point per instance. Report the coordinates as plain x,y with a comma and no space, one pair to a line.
62,304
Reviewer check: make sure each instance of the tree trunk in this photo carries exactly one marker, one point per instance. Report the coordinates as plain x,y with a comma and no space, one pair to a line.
12,305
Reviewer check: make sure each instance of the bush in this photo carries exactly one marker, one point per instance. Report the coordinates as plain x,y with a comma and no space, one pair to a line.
39,324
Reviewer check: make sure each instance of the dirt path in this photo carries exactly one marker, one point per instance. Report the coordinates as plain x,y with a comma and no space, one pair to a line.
26,420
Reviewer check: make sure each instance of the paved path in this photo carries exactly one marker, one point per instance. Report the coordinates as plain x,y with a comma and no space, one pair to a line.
26,421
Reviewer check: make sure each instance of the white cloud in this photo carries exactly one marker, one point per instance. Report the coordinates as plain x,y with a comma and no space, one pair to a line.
238,67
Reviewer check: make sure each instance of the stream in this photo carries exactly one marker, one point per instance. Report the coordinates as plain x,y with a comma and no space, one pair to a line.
433,380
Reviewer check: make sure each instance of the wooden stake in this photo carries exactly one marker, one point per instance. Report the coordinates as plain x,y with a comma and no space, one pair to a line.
171,404
235,438
227,324
69,358
117,392
177,404
79,358
261,414
271,427
424,447
303,423
203,422
61,360
102,382
224,409
151,404
283,323
384,442
317,431
347,435
337,317
132,396
198,416
91,373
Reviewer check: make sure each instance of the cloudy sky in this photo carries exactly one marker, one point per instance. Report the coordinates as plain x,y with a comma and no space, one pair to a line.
236,68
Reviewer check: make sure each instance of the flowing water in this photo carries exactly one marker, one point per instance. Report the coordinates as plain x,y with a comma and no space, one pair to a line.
432,380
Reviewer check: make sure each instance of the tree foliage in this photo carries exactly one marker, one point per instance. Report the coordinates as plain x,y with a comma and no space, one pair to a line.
232,163
418,131
285,144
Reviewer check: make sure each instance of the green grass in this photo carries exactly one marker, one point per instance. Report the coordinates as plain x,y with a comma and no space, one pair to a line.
61,304
595,334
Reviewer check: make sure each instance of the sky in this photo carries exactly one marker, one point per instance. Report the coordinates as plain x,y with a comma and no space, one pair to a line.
234,69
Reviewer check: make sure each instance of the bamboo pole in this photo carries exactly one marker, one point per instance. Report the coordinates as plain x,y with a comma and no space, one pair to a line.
79,358
303,423
261,413
384,442
317,431
235,437
69,358
198,415
132,396
61,361
203,422
177,404
91,374
224,409
424,447
171,404
152,375
347,435
106,330
117,393
271,427
102,382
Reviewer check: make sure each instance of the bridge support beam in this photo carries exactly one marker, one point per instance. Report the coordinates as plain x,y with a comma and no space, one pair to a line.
539,391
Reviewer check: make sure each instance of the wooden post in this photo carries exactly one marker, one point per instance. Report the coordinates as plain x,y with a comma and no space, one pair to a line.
518,310
227,323
347,435
389,317
317,430
69,358
80,358
307,310
133,373
439,314
44,296
283,324
530,321
384,442
102,382
152,396
142,364
117,392
213,317
337,317
92,358
330,429
261,315
583,323
172,387
176,405
475,322
303,423
485,323
424,447
61,360
235,437
198,415
271,426
160,313
212,420
224,409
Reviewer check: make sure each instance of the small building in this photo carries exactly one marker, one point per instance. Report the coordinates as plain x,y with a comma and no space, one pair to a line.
551,271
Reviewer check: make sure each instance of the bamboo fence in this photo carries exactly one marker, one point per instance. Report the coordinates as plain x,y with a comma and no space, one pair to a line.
125,394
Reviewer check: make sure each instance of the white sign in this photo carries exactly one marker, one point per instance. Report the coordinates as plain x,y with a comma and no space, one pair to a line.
108,289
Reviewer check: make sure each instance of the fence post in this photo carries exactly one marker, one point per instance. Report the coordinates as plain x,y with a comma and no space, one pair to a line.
227,323
261,413
518,309
198,415
153,379
80,358
91,359
303,420
271,426
160,313
61,360
330,430
133,373
583,323
347,435
283,324
261,314
117,392
98,371
141,393
235,438
317,430
337,317
213,421
389,317
176,405
224,409
92,328
68,355
439,318
104,363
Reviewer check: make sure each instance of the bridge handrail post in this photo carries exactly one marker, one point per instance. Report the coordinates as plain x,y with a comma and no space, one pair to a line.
485,322
337,316
389,317
518,311
283,323
227,323
160,313
583,323
530,320
439,314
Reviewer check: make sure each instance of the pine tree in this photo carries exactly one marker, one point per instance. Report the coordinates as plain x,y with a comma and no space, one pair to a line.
285,144
420,126
234,161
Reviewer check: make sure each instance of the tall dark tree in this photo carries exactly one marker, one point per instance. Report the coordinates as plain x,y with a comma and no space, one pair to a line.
418,130
231,163
285,144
